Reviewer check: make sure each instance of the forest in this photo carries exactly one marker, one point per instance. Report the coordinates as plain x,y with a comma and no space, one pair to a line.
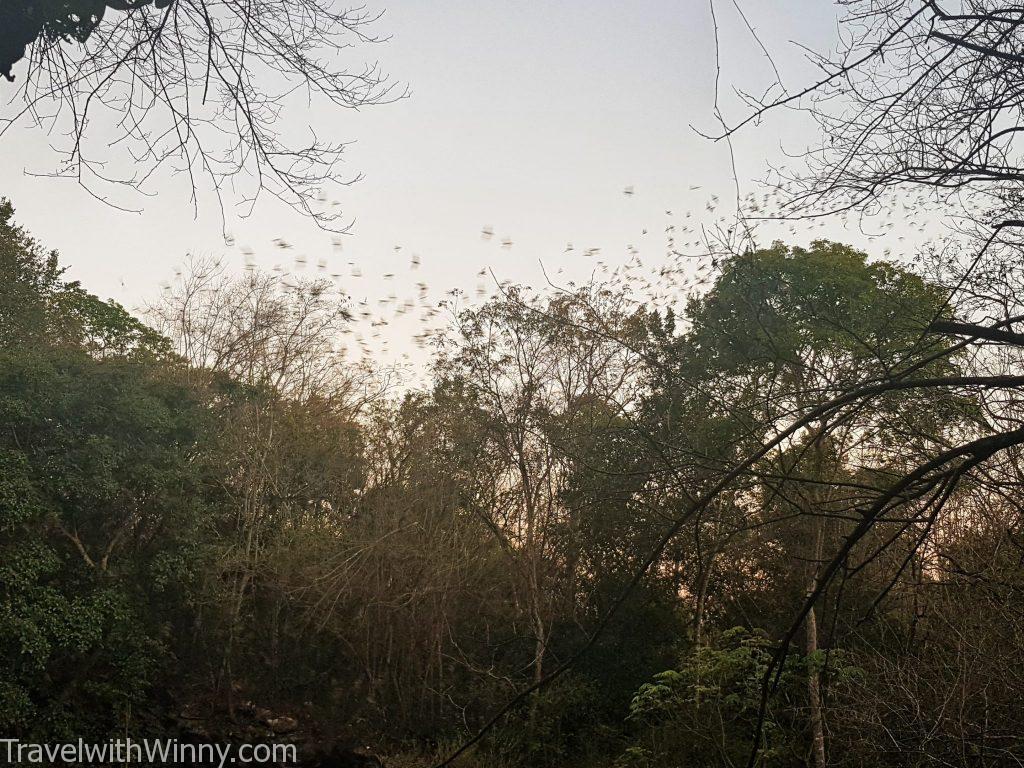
773,519
212,527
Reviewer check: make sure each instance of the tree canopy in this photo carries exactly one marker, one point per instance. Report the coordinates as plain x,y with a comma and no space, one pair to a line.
777,523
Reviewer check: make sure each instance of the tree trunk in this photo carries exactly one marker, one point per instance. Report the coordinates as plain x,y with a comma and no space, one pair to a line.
814,676
811,623
701,601
814,696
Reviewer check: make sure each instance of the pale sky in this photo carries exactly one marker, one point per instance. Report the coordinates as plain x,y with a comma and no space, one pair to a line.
530,117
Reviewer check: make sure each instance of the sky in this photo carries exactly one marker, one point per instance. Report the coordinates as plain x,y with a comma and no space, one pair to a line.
530,118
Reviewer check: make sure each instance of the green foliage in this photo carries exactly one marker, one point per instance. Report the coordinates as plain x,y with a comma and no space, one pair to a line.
770,307
31,278
564,723
98,511
100,501
707,708
219,536
39,308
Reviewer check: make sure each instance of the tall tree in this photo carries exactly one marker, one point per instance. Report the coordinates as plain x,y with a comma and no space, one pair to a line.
782,331
102,502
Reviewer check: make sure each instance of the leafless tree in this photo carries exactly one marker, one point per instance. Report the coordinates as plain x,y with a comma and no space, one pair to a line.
205,88
525,373
289,436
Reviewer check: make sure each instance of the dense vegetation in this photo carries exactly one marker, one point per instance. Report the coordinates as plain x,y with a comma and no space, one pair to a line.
212,514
